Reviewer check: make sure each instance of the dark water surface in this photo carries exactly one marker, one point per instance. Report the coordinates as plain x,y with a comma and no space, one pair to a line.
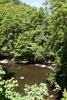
31,74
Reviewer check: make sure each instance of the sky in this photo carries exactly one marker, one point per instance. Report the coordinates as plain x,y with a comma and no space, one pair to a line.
37,3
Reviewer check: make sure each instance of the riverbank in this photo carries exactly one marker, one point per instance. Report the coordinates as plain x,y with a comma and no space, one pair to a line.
28,74
6,61
50,65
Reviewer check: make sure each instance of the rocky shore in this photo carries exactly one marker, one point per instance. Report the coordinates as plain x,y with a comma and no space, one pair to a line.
51,66
6,61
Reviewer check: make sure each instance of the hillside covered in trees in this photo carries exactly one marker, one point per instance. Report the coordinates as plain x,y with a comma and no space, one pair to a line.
25,33
31,35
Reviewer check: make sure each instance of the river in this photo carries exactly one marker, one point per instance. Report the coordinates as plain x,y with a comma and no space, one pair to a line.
30,74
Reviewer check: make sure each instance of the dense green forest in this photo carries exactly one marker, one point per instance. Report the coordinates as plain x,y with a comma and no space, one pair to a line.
30,35
25,33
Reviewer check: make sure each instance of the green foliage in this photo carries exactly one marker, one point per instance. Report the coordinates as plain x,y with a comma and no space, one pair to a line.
31,35
35,91
57,87
21,32
10,1
24,32
2,73
57,44
52,80
7,88
64,95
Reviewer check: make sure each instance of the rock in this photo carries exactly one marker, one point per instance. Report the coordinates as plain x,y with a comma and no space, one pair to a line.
22,78
13,62
43,66
53,64
5,61
40,65
51,96
50,67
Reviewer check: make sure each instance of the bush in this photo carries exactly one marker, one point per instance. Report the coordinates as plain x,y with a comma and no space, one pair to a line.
52,81
64,95
35,91
7,87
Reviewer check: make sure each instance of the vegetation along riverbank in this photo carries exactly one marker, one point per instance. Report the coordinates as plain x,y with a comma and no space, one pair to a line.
34,35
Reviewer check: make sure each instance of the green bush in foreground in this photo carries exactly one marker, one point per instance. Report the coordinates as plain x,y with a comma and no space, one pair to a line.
64,95
7,87
35,91
7,90
52,80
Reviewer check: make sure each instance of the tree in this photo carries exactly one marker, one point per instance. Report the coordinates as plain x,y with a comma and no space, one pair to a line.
58,39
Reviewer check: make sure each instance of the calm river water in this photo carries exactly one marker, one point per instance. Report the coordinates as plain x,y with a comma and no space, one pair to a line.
31,74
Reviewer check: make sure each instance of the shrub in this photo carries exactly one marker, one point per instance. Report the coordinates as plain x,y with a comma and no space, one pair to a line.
64,95
35,92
